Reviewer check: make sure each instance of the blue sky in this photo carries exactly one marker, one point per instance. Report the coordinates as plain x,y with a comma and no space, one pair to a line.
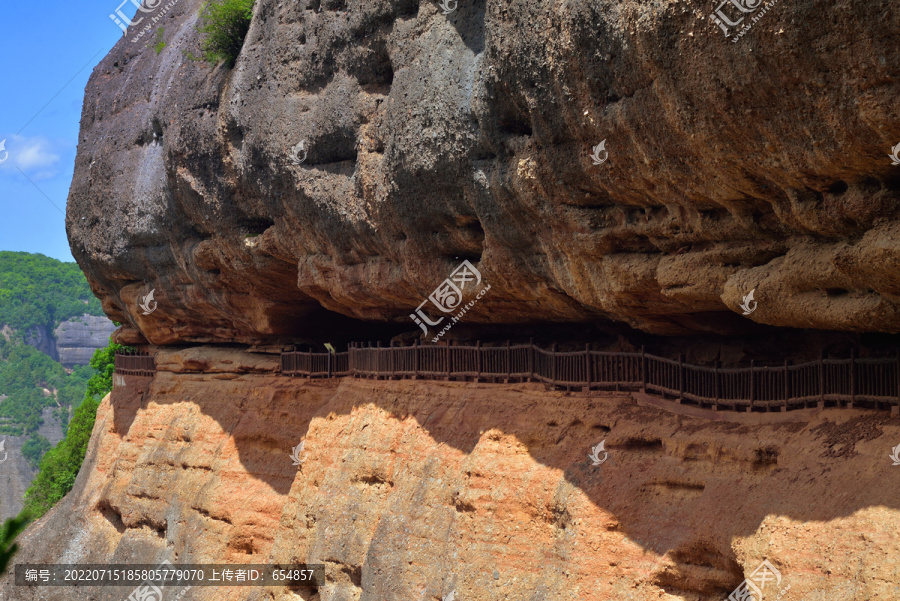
49,50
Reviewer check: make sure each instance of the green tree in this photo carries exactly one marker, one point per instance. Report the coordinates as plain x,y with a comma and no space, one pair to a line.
34,448
224,25
39,291
8,532
31,381
60,465
103,364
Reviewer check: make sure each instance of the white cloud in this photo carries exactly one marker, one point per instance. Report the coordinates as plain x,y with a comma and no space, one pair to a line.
29,154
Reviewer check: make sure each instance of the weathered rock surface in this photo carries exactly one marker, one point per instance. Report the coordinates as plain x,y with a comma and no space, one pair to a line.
409,490
40,337
16,474
73,342
434,138
78,338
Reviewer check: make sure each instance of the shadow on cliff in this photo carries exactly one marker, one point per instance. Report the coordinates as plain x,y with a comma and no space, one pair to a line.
679,486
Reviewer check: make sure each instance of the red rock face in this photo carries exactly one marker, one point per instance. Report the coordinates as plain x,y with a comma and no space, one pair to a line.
430,138
409,490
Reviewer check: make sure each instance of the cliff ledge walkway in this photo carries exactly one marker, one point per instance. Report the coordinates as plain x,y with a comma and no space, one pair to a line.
847,382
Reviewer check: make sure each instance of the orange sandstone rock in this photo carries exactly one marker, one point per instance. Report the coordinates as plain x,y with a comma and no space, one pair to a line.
410,490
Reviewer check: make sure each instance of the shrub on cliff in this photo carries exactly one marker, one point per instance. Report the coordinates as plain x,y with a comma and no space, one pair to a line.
10,529
60,465
225,24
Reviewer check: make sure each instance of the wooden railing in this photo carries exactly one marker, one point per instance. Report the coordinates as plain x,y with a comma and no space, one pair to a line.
871,382
135,364
853,381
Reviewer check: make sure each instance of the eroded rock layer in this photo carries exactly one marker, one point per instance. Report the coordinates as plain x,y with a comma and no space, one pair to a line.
429,138
410,490
79,337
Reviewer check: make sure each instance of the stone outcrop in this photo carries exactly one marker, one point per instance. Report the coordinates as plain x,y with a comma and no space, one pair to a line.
40,337
16,474
79,337
73,342
409,490
431,138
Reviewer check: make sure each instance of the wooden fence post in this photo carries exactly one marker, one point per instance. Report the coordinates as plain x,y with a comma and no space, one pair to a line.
328,364
680,377
531,358
508,363
852,376
477,360
449,359
587,365
416,346
553,364
787,386
821,379
895,409
718,384
643,370
378,360
393,362
752,385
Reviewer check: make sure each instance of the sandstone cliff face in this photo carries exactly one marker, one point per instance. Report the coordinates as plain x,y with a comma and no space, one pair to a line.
409,490
434,138
78,338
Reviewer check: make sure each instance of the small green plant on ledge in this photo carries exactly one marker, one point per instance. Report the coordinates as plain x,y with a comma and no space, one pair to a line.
224,24
160,42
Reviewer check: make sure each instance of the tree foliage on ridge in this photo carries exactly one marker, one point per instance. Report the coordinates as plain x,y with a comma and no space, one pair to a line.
37,290
60,465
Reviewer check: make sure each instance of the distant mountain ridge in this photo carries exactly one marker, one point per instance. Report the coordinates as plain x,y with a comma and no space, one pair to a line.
50,326
50,304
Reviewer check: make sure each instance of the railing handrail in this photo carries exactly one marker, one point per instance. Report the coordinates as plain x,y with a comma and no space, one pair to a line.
853,380
761,387
134,363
